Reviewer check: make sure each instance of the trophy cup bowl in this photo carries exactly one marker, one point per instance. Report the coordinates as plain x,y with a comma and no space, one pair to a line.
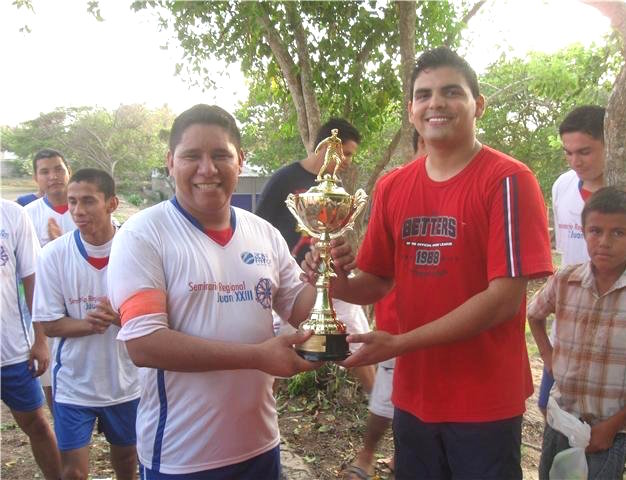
325,211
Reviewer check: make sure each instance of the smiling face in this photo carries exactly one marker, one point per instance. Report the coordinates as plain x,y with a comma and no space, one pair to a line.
585,155
90,210
52,176
206,165
443,109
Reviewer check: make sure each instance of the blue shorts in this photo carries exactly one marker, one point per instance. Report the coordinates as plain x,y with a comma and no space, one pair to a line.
73,425
265,466
484,450
20,391
547,381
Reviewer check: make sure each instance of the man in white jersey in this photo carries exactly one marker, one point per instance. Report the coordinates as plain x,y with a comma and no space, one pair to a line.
50,215
22,361
93,376
582,136
195,281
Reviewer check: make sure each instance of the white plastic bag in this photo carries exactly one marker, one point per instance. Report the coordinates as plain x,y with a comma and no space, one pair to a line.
570,464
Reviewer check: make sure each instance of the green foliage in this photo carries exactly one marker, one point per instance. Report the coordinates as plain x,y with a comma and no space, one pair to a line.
353,49
326,384
127,142
528,98
134,199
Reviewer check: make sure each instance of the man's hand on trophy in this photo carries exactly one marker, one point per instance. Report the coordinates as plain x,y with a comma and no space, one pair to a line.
343,260
377,347
310,266
279,358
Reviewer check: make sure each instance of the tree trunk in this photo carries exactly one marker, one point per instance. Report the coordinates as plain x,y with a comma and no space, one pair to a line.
615,119
406,24
289,70
312,109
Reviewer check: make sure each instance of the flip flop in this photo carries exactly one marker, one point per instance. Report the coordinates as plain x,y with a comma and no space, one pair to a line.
356,471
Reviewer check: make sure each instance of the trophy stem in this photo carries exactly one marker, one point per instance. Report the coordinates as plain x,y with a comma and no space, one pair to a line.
329,334
325,210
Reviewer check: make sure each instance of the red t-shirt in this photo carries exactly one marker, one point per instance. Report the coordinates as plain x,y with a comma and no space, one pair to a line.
386,313
443,242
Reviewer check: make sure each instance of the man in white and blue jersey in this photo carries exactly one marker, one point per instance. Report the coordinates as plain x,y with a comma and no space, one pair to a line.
21,360
92,376
49,214
195,281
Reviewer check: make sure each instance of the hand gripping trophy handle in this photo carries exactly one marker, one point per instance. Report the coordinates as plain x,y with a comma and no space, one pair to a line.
326,211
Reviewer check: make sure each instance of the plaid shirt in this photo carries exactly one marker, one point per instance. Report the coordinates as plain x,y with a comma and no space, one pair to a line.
589,356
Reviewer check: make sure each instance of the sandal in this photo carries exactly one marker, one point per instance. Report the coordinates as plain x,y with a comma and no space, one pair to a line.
353,471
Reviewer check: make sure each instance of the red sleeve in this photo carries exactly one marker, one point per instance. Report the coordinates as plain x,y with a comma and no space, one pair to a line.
376,255
519,243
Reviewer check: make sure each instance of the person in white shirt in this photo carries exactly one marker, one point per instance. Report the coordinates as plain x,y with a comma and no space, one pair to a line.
49,214
582,136
195,281
93,376
21,361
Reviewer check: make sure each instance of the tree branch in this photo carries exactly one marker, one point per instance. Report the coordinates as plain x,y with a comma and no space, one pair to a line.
491,99
615,118
384,160
407,17
313,116
288,68
359,67
466,18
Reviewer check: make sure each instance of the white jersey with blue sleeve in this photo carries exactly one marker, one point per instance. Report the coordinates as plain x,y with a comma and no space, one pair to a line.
92,370
18,255
166,272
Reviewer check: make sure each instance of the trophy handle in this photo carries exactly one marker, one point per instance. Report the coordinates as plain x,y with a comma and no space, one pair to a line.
360,200
291,205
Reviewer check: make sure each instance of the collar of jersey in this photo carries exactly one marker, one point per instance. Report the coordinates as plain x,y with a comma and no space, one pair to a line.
81,246
47,201
195,222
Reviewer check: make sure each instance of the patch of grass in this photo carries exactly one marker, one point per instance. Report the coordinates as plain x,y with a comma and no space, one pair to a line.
7,426
134,199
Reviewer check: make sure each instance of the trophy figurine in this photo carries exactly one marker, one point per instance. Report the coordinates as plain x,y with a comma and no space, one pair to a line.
325,211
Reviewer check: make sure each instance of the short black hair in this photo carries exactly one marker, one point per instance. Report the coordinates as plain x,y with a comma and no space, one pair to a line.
101,179
48,153
605,200
587,119
444,57
347,131
207,115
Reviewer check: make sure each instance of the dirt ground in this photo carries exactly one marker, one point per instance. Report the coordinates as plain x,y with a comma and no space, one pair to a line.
325,432
326,437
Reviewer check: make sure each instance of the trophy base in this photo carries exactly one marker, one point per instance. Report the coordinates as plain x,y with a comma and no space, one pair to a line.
323,348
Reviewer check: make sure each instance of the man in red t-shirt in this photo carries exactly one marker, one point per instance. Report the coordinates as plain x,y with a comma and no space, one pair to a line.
380,405
459,232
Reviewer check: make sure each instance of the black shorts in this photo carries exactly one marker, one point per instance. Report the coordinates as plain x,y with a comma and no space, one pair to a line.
485,450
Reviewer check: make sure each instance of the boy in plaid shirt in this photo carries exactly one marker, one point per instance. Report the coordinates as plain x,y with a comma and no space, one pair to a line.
588,359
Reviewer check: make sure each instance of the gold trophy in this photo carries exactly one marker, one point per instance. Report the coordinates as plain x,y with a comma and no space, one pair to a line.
325,211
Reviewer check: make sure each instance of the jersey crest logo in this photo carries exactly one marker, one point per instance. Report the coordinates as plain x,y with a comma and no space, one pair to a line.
4,256
263,292
256,258
3,234
247,258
